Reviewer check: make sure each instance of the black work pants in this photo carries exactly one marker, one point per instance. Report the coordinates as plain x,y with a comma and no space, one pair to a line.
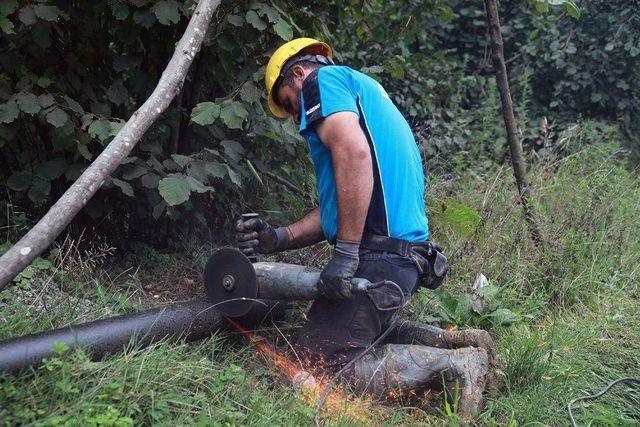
338,330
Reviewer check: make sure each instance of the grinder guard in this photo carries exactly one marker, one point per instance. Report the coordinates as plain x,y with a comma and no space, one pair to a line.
230,282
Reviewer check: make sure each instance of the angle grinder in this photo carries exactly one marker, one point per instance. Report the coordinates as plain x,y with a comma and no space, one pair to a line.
234,284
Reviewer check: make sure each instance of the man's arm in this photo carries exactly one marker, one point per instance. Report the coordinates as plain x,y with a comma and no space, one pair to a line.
305,232
256,235
353,172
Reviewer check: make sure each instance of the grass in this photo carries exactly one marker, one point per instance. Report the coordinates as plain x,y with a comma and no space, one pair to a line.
568,322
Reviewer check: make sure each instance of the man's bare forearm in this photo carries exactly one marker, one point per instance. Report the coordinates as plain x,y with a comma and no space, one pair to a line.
307,231
352,169
354,186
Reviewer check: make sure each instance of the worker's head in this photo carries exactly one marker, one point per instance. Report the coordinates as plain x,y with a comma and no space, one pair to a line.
287,69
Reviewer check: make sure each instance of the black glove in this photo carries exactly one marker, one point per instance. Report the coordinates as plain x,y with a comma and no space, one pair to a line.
335,279
256,236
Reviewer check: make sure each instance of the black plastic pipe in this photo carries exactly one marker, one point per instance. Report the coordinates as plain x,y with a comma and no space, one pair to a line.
195,319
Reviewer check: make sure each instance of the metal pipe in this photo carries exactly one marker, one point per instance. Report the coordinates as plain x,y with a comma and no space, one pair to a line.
286,281
291,282
195,319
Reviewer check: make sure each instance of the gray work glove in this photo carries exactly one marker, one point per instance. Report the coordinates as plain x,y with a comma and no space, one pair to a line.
255,236
335,279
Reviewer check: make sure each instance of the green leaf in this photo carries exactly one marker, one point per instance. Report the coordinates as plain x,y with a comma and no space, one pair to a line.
158,209
39,190
27,15
100,129
129,160
233,149
283,29
52,169
20,181
270,12
572,10
47,12
45,100
504,316
124,186
181,160
28,103
198,186
7,7
75,107
84,151
205,113
120,10
235,20
144,18
234,176
41,264
167,12
170,165
174,189
621,84
74,171
60,348
253,19
250,93
133,171
215,169
461,219
9,111
151,147
43,82
117,93
114,128
272,136
57,117
233,114
6,26
150,180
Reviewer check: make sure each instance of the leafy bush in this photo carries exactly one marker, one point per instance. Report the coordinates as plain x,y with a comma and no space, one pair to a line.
210,156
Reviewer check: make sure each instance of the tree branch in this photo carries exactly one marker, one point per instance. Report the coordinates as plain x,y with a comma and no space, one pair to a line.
287,184
64,210
517,160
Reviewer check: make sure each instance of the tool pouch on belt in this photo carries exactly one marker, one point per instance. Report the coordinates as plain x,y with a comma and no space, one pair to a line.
431,264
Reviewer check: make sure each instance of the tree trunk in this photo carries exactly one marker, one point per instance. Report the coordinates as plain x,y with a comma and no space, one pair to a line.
517,160
75,198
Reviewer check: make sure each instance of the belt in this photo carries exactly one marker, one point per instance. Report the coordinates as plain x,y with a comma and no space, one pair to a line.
389,244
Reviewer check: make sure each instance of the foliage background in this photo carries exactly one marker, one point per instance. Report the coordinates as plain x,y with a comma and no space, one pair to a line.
564,317
71,73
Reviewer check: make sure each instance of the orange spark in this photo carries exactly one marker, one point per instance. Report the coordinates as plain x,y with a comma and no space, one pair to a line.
337,402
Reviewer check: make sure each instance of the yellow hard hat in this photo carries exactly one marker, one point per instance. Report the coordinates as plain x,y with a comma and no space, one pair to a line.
281,56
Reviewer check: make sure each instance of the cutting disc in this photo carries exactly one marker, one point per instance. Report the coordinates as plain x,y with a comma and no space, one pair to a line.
230,281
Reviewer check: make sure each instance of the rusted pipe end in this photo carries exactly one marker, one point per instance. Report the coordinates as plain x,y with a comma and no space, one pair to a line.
303,380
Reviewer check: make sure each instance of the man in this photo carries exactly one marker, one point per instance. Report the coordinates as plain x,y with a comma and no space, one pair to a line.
371,207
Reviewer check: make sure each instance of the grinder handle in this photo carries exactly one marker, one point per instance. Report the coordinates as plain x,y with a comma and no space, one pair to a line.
363,285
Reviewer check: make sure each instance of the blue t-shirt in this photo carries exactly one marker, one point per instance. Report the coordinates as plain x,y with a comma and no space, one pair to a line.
397,206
